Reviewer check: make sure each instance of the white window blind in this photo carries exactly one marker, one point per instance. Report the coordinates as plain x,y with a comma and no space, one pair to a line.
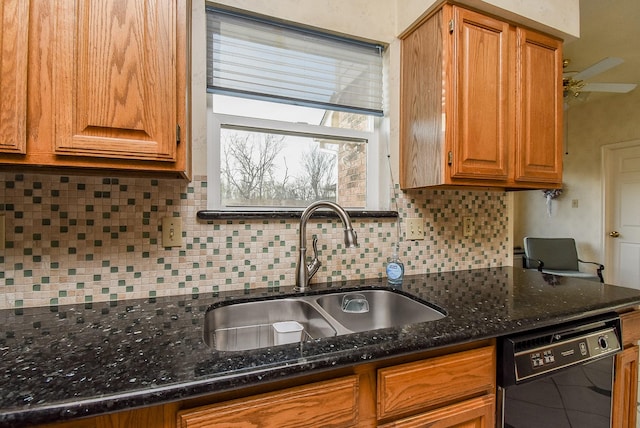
254,58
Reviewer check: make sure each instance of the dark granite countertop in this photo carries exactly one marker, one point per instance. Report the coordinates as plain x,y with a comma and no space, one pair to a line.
71,361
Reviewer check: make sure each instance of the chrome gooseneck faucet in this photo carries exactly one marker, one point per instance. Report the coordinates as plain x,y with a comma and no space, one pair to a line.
304,271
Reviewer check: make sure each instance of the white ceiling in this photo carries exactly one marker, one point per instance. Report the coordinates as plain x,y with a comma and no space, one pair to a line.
607,28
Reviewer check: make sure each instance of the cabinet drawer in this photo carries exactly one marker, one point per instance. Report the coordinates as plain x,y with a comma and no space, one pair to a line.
331,403
630,327
436,381
477,412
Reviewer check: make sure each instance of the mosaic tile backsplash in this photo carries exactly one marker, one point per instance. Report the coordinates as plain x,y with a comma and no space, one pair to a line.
80,239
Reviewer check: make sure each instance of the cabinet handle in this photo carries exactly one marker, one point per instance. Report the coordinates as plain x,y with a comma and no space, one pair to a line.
450,160
451,26
178,134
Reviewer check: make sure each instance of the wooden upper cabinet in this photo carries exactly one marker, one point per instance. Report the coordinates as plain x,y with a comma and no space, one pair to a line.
479,109
480,104
107,84
115,79
539,110
14,16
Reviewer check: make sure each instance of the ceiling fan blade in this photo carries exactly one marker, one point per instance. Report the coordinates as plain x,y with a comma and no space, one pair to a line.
609,87
598,68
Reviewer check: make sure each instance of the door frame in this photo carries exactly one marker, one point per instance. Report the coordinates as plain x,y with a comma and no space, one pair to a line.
606,151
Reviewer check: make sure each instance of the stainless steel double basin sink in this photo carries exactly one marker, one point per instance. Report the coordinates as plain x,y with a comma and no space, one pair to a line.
250,325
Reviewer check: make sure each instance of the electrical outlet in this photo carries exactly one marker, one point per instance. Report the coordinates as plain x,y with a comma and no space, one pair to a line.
171,232
415,229
468,226
574,203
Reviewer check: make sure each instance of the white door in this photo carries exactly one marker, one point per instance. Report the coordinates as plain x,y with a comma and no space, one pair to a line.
622,213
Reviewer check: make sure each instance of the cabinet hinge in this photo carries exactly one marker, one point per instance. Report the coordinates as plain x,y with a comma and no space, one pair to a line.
177,134
450,158
451,26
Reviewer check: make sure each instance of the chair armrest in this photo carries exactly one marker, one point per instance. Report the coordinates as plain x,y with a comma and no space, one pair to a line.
540,263
599,270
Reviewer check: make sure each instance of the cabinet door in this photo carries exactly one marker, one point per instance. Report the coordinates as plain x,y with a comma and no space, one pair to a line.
412,387
475,413
331,403
538,156
625,389
114,79
479,117
14,16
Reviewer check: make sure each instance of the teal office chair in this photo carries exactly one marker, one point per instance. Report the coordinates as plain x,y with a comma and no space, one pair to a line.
557,256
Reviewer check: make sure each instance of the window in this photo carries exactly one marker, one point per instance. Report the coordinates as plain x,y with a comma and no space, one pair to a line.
293,116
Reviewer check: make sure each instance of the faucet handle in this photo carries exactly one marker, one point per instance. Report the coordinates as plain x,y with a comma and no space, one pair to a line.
314,244
315,263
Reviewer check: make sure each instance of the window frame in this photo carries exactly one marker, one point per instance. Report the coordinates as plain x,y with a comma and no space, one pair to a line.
216,121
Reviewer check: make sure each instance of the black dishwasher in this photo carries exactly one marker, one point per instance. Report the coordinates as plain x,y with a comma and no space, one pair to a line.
559,377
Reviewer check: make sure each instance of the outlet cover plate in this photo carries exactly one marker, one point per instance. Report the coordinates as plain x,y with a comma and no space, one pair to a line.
414,229
468,227
171,232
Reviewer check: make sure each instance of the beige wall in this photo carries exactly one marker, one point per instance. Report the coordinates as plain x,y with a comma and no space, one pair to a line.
600,120
608,120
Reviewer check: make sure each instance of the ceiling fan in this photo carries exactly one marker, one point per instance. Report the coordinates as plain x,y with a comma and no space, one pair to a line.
574,84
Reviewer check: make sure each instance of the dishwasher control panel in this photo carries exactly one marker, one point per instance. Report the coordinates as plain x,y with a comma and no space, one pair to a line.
534,354
566,353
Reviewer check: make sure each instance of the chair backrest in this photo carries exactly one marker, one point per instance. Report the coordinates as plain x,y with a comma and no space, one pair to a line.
555,253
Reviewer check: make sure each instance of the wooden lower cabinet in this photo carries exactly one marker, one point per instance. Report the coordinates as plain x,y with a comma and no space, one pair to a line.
414,386
625,387
625,392
475,413
323,404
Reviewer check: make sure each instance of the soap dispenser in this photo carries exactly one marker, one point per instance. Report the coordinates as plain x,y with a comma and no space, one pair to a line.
395,268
